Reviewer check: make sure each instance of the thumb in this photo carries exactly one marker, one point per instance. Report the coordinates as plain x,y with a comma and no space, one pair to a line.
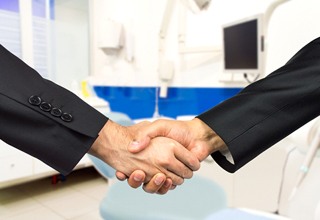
139,145
145,133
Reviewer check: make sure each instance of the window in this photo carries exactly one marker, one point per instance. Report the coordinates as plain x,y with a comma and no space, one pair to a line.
10,30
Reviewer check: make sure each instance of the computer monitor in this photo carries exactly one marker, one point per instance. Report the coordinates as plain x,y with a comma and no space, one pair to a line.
243,46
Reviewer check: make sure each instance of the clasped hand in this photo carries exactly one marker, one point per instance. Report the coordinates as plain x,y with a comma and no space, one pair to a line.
159,154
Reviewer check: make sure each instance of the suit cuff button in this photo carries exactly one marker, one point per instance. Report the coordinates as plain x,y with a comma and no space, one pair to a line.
44,106
56,112
35,100
66,117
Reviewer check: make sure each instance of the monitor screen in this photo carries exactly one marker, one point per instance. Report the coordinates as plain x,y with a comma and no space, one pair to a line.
242,46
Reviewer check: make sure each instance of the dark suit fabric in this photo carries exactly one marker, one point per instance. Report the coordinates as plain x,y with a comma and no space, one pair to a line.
59,143
268,110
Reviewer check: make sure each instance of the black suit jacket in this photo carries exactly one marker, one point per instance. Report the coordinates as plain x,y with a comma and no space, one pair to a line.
268,110
42,118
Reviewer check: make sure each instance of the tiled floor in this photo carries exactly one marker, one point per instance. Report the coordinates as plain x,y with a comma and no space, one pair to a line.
77,198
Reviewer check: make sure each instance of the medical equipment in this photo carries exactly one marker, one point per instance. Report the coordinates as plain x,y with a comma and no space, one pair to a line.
166,67
243,46
111,37
315,145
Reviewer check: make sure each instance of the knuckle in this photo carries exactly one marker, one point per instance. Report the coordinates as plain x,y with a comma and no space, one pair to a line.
178,181
165,162
188,174
195,165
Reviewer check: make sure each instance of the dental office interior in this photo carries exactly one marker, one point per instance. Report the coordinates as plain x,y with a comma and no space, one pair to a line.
137,60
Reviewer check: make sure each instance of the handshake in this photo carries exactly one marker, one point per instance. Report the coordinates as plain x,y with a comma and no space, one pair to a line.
159,154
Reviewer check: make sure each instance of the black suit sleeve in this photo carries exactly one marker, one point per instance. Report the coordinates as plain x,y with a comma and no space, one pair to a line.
43,119
268,110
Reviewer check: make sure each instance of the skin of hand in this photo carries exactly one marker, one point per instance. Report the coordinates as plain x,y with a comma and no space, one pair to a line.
163,155
195,135
159,184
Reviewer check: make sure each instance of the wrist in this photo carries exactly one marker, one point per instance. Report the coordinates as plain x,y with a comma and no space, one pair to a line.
209,136
103,145
97,148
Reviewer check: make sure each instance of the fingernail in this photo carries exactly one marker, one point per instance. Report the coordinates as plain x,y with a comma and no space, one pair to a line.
137,178
134,144
159,180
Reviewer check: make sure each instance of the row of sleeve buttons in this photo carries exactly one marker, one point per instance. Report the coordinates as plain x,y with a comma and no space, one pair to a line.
47,107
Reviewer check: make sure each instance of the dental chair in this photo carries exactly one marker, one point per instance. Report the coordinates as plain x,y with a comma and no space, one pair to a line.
201,198
194,200
305,203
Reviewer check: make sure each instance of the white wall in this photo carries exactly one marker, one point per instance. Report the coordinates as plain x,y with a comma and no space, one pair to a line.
292,25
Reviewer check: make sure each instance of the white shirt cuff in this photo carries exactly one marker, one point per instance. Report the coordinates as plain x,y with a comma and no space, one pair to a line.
225,152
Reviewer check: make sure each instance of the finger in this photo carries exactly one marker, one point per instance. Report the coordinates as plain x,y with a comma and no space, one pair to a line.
146,133
178,173
140,142
176,179
139,145
176,168
169,164
187,158
136,179
165,187
155,183
121,176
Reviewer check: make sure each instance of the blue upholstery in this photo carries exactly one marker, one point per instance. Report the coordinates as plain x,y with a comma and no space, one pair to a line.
194,200
105,170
